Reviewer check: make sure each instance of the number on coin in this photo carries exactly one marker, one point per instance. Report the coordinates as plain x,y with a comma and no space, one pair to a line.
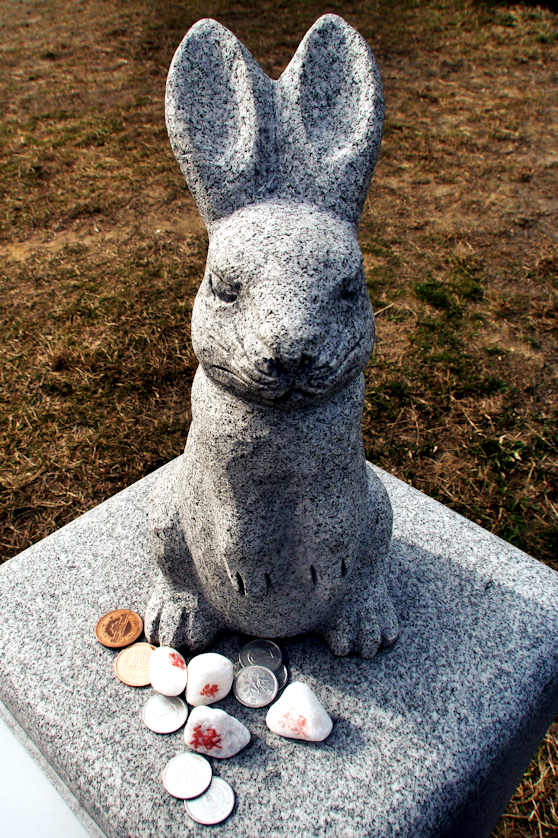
119,628
131,666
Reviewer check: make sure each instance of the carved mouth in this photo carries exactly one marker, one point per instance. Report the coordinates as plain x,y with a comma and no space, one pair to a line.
267,388
349,366
227,373
288,388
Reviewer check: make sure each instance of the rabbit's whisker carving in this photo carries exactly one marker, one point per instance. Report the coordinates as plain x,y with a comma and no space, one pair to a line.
228,372
224,349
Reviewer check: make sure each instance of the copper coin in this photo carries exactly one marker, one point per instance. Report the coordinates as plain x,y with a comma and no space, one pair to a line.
119,628
131,666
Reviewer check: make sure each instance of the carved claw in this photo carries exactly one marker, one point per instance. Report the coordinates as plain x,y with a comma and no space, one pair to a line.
178,618
363,627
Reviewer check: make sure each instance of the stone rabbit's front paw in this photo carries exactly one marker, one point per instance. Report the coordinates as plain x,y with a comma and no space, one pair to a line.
365,626
178,618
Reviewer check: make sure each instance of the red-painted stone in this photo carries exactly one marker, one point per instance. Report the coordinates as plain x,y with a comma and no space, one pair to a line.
176,660
207,738
294,724
210,689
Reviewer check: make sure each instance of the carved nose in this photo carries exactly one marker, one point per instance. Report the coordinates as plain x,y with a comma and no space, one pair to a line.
285,363
270,367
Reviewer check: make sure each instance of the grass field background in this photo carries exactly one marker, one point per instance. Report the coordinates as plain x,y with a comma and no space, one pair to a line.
102,251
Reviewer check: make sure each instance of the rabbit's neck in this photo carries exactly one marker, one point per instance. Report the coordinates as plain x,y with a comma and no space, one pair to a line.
326,434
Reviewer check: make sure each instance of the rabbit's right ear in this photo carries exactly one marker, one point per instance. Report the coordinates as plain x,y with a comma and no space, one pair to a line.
330,113
219,112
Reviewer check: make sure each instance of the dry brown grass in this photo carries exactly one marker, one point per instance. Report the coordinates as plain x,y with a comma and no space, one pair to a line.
102,250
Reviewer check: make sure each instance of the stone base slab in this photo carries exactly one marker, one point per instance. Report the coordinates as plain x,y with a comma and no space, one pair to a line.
430,738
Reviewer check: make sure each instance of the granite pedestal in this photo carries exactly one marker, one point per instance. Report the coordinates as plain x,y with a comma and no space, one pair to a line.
430,738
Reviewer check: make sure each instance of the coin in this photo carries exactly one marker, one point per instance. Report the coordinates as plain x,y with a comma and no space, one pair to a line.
214,805
261,653
164,714
186,775
119,628
255,686
131,666
282,677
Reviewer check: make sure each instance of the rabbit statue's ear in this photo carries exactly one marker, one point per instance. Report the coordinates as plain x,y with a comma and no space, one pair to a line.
219,111
329,115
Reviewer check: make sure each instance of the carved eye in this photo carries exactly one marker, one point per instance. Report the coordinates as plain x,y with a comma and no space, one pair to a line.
225,290
352,286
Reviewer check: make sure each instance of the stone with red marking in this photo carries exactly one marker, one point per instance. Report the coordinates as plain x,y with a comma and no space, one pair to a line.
213,732
210,678
177,660
299,715
168,671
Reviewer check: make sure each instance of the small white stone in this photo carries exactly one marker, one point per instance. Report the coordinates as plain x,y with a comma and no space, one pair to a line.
210,678
299,715
215,733
167,671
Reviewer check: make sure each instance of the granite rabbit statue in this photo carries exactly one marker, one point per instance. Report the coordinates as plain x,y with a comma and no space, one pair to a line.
273,524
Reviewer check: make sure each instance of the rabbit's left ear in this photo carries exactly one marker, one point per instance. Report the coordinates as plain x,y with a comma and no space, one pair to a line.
330,113
219,111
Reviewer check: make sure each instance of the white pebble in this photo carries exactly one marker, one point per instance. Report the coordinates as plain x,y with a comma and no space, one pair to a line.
210,678
215,733
299,715
167,671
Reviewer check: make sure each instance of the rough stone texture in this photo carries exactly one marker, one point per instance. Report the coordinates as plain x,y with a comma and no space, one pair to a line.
429,738
311,136
24,767
274,523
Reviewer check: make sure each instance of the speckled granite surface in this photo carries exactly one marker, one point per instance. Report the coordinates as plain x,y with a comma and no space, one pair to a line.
429,738
275,527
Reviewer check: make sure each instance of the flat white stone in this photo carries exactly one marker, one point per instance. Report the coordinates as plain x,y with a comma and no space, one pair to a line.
210,678
299,715
167,671
214,732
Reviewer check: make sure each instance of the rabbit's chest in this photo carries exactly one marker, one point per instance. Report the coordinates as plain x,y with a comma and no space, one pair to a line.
273,506
260,492
274,551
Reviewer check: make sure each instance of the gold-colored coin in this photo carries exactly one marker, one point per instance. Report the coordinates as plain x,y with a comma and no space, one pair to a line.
119,628
131,666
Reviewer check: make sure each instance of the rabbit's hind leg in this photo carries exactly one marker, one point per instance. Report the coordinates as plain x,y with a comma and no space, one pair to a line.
365,619
176,614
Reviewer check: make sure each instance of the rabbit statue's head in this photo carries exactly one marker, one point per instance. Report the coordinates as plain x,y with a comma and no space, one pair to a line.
279,171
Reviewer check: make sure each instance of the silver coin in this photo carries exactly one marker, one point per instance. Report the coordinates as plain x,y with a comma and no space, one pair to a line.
214,805
163,713
261,653
255,686
282,677
187,775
